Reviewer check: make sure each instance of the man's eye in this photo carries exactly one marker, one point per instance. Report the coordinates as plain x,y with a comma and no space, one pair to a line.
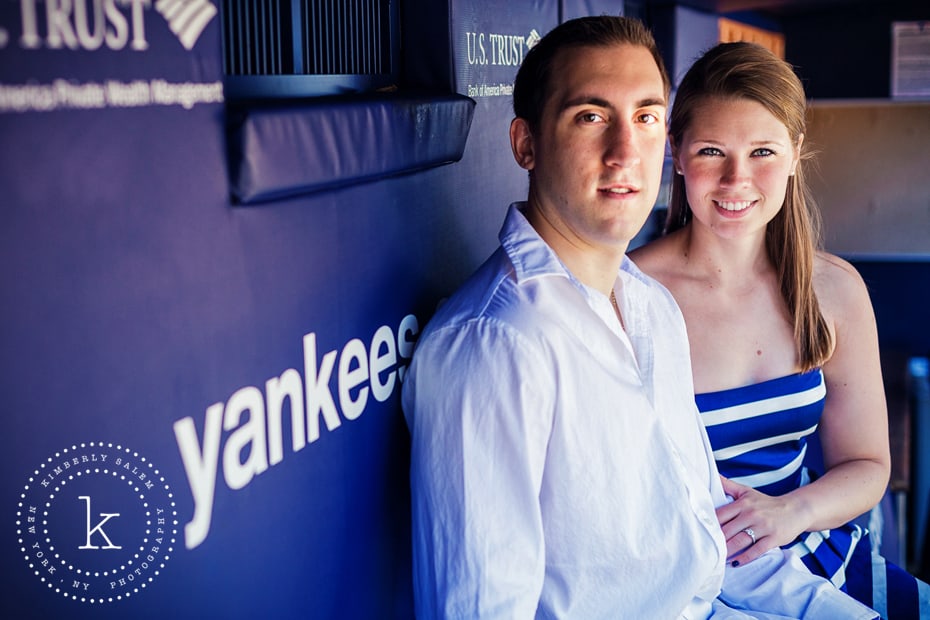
648,118
590,117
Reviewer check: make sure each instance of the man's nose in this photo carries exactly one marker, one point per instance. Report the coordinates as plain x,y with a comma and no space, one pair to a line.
622,148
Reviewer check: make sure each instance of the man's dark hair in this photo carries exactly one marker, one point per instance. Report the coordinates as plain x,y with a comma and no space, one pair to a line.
532,85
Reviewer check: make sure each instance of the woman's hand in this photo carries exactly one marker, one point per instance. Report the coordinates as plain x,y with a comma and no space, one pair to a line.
755,522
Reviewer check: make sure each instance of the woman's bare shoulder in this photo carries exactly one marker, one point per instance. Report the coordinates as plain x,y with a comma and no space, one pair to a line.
838,284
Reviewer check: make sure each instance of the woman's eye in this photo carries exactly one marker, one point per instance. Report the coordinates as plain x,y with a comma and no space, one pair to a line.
763,152
710,151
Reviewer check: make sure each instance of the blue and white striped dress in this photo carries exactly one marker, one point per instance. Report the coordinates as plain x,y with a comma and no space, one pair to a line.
759,434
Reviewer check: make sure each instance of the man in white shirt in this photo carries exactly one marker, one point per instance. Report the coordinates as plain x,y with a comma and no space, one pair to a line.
559,468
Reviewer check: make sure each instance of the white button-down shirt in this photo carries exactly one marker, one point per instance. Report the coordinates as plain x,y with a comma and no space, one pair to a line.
559,468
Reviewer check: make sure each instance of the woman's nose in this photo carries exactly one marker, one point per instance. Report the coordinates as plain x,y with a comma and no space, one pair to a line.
735,172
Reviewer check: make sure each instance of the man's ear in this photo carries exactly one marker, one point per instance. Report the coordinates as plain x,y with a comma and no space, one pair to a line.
521,142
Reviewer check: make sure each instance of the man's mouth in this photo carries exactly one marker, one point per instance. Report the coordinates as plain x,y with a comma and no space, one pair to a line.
618,190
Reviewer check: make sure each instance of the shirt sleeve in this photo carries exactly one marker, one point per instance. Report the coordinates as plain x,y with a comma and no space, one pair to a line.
778,585
478,404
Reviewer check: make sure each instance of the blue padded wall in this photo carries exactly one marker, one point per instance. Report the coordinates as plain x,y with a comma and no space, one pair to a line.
158,338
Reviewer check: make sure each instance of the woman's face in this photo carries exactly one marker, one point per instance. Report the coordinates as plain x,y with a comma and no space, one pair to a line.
736,158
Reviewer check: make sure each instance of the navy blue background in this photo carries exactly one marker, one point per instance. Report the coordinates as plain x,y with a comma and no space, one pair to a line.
135,294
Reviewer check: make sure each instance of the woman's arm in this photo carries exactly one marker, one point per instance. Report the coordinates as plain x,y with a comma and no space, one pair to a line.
853,431
854,427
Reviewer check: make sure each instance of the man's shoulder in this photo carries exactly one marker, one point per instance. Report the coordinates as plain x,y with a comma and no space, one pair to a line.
469,302
495,300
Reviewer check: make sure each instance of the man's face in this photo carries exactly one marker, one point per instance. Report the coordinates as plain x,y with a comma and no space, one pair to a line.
596,157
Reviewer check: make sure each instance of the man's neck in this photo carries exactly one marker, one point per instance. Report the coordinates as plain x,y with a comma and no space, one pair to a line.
594,266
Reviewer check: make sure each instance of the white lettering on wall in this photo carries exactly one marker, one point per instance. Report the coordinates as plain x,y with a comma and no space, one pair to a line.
507,50
254,421
493,57
84,24
474,43
70,94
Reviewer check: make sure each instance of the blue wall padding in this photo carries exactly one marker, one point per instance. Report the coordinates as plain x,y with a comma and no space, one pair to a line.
137,296
900,292
277,153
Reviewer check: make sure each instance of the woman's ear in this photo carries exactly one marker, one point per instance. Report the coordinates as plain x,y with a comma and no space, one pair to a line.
521,142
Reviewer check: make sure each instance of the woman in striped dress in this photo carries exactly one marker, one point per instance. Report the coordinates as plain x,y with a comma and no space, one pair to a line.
783,336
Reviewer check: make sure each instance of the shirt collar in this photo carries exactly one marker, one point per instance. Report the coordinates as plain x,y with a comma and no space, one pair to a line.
530,255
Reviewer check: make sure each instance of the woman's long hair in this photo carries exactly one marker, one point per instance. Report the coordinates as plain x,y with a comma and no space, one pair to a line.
749,71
